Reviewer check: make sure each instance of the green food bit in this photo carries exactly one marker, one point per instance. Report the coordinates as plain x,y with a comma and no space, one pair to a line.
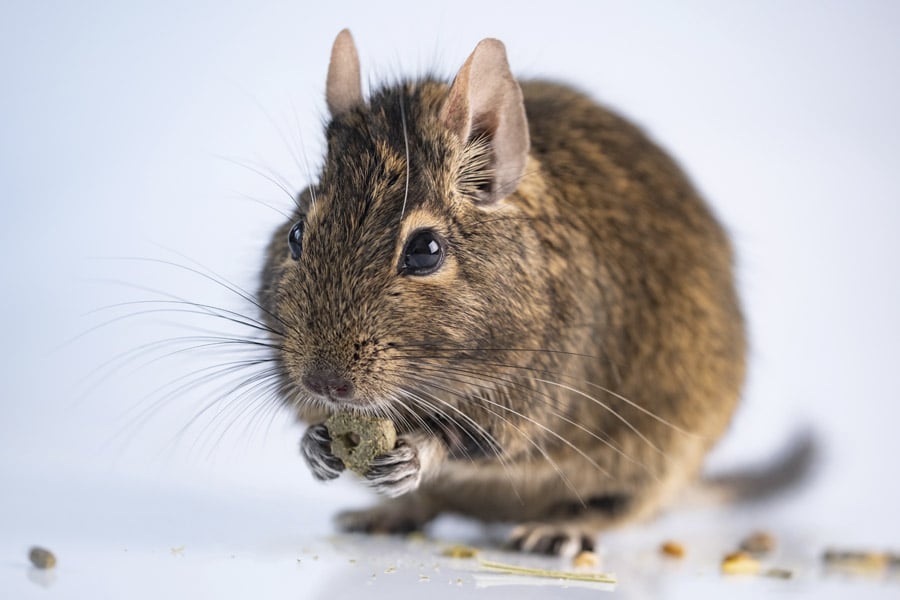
358,439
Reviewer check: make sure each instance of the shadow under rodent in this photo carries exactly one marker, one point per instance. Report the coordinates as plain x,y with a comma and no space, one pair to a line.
524,284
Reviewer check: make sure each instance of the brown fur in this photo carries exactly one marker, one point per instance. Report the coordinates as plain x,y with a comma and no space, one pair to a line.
603,272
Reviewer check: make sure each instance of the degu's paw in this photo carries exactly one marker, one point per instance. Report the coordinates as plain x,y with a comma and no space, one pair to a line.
397,472
316,449
557,539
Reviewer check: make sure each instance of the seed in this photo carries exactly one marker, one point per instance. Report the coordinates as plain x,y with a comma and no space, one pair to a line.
758,542
585,559
460,551
673,549
41,558
740,563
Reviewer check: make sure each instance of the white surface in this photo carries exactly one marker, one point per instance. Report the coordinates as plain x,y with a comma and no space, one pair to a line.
120,130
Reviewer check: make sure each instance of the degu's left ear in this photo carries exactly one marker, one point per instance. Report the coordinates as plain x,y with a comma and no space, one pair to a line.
343,88
485,100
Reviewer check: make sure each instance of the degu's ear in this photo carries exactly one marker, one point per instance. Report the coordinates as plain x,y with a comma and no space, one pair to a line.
485,100
343,89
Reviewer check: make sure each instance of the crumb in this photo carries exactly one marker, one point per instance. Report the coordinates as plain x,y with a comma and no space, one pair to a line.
315,557
857,560
424,578
740,563
352,561
459,581
416,536
390,570
179,551
460,551
672,549
758,542
778,573
42,558
586,559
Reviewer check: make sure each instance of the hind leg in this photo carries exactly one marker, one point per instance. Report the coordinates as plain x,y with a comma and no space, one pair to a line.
394,516
572,527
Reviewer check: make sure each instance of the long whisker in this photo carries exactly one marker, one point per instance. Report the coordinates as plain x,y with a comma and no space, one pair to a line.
283,186
518,430
592,384
496,450
209,277
547,400
406,148
309,174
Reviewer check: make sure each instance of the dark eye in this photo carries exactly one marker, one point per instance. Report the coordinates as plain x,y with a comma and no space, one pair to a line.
424,253
295,240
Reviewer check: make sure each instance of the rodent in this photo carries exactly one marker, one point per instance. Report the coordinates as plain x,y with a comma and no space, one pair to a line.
525,284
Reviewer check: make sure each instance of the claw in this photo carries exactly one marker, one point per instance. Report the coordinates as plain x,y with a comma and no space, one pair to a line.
396,473
551,539
316,449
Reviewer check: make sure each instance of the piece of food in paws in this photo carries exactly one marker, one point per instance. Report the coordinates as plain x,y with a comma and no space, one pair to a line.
357,439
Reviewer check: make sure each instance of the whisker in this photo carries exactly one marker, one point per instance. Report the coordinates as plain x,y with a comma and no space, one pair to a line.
209,277
309,173
406,148
495,450
283,186
524,436
547,400
249,198
592,384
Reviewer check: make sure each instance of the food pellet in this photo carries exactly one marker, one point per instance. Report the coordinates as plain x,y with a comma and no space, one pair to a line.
42,558
673,549
358,439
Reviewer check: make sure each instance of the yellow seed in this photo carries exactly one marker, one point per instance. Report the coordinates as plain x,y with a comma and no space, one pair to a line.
740,563
585,559
42,558
460,551
672,549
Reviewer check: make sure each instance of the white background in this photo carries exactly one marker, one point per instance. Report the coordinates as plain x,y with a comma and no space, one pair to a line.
141,129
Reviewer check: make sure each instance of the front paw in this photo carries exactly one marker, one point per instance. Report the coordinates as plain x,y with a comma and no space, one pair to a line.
396,473
316,449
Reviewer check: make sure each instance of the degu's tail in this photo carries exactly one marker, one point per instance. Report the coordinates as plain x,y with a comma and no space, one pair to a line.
789,470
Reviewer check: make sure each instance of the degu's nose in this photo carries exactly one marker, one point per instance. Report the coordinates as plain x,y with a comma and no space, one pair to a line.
328,384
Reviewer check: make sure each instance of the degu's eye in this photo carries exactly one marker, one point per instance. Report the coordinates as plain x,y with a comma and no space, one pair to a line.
295,240
424,253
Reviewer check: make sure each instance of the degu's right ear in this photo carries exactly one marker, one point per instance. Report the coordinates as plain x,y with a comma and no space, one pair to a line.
343,88
485,100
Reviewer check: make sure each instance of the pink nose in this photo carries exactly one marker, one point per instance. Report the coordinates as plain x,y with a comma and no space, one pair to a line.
328,385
